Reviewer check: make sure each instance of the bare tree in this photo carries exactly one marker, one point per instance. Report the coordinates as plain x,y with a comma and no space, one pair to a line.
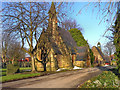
14,51
24,21
106,9
5,45
11,49
109,48
68,24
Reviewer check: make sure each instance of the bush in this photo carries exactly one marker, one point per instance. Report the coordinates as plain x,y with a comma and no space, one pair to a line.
105,80
12,69
78,37
92,57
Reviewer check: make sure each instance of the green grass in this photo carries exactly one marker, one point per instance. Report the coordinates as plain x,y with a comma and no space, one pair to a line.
105,80
22,69
3,73
25,68
18,76
3,69
24,75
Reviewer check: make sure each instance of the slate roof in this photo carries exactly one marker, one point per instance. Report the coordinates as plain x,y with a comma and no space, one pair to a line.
82,53
67,38
69,41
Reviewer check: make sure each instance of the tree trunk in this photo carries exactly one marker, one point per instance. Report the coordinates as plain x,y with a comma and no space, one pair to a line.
3,61
44,66
33,64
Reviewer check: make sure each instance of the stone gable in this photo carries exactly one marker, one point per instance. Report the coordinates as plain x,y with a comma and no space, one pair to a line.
55,48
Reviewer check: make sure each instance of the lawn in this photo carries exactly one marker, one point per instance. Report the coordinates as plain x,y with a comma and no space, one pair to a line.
105,80
22,69
3,69
18,76
25,69
26,74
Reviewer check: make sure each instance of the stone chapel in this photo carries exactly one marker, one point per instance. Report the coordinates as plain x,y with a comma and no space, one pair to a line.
56,48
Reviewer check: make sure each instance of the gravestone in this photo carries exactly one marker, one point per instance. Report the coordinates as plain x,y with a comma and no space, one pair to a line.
12,68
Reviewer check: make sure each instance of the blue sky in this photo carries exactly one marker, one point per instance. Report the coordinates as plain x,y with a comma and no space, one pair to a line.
89,21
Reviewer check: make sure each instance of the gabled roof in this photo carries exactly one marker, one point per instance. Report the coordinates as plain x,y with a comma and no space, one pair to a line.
97,52
81,49
42,37
82,53
68,40
100,52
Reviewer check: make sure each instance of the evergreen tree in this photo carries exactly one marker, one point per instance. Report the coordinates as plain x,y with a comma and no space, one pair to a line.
92,57
116,33
78,37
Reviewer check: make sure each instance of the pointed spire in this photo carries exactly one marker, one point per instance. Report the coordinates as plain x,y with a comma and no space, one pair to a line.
52,9
52,25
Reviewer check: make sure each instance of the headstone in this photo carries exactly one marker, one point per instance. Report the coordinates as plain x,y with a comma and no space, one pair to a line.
12,69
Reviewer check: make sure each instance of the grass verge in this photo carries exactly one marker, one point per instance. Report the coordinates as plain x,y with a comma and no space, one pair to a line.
105,80
25,68
18,76
24,75
22,69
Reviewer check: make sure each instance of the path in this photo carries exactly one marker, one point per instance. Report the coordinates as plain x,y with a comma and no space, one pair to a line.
69,79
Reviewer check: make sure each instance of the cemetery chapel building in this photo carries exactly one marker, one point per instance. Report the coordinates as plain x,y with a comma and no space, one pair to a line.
56,48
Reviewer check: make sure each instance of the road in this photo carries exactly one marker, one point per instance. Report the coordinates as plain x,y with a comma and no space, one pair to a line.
68,79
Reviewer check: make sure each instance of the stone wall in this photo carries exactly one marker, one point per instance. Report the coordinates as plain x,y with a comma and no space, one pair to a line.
99,57
80,63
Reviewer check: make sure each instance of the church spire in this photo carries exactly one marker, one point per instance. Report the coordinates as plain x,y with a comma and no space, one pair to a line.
52,10
52,25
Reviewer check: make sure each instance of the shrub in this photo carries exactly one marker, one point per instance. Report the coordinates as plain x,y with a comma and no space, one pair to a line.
105,80
92,57
78,37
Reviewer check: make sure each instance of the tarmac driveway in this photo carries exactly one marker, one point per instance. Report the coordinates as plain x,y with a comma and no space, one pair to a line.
68,79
